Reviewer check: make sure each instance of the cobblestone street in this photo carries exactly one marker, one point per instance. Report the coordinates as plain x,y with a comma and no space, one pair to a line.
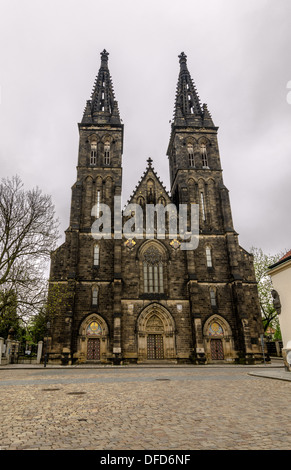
136,408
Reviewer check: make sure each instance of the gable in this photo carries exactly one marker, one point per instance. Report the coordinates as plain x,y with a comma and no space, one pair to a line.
150,190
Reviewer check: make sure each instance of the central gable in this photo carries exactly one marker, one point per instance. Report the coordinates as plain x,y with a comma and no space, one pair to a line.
150,189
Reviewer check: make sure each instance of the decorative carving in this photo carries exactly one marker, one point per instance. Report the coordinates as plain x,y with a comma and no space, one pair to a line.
276,301
155,323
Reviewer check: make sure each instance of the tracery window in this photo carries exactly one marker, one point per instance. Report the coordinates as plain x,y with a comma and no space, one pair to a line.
106,153
190,150
153,272
203,151
93,156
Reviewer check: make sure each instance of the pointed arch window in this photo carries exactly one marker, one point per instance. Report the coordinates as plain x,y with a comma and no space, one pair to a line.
204,157
96,255
208,257
93,156
212,297
98,204
107,153
95,296
190,150
203,206
153,271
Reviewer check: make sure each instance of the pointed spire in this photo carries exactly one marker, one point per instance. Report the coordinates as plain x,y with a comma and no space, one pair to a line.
102,108
188,110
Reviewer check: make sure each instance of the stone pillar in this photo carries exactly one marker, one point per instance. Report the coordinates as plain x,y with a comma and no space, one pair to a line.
1,348
39,352
8,350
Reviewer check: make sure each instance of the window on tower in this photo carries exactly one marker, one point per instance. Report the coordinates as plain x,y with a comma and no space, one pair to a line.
204,155
95,296
106,153
93,157
208,257
212,298
96,255
203,206
190,150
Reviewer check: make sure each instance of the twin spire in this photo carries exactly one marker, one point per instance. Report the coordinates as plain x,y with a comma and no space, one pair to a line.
102,108
188,110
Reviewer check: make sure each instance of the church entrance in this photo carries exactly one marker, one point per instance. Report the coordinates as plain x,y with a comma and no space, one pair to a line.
218,339
156,334
155,348
216,350
92,339
93,349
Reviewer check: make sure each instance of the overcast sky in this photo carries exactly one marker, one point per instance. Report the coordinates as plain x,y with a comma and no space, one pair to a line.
239,58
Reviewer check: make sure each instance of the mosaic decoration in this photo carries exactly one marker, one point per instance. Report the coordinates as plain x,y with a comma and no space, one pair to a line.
94,329
215,329
130,243
175,244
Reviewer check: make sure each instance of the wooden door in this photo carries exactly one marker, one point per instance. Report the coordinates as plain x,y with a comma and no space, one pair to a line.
93,349
155,347
216,349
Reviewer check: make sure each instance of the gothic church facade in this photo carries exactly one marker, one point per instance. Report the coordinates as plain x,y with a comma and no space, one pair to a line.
137,300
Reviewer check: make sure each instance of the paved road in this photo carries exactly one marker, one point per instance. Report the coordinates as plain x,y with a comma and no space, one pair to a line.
191,408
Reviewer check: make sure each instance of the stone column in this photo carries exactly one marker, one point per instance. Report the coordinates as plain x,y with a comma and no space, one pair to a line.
8,349
39,352
1,348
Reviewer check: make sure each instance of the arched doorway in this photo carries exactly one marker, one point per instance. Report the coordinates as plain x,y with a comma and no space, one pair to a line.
218,339
93,339
156,334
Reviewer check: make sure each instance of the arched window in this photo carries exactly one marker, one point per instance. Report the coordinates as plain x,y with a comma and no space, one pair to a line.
190,150
203,151
95,296
93,157
208,257
153,271
203,206
106,153
212,297
96,255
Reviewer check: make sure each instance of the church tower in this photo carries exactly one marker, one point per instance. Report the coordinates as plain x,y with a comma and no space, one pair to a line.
85,271
219,270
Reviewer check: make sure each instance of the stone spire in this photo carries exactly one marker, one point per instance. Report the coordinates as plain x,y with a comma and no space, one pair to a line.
102,108
188,109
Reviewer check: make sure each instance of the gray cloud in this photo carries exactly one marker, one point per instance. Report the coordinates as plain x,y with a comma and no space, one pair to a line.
238,55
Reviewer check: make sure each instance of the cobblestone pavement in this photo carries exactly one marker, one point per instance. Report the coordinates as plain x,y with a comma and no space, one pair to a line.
174,408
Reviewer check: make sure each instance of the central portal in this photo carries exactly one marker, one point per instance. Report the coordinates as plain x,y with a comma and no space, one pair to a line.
156,334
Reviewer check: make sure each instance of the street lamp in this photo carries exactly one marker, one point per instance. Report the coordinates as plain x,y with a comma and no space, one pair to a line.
46,343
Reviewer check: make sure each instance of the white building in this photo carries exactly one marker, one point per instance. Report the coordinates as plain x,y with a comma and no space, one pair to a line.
280,273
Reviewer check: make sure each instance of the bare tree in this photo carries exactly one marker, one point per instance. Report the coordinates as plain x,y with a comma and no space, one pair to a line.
28,234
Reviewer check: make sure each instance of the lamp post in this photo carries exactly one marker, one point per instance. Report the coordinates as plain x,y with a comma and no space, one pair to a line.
46,343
